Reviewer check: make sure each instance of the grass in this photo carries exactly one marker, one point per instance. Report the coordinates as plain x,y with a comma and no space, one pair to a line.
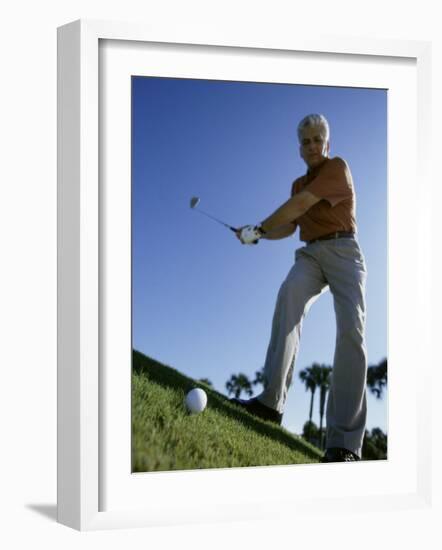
166,437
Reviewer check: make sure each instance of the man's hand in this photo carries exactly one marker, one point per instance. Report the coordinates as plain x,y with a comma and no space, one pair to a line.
248,234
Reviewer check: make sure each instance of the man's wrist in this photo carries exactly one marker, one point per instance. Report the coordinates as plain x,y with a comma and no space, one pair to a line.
260,230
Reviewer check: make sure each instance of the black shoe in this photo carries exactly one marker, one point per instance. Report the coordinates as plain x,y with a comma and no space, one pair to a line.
337,454
255,407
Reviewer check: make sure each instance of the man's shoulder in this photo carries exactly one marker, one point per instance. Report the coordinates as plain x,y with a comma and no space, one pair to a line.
332,165
337,167
338,162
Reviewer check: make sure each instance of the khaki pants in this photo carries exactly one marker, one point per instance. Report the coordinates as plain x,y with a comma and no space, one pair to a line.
338,265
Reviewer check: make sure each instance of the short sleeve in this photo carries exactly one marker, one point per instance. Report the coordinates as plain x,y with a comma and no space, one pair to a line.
333,183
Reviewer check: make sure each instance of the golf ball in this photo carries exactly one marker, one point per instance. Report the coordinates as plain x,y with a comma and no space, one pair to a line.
196,400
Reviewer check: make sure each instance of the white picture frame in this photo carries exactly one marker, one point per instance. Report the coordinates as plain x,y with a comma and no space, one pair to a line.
80,294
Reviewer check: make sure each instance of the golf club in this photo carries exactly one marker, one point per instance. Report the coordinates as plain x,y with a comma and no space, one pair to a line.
194,201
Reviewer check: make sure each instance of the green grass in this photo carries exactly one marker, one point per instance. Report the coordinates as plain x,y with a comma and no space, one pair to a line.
166,437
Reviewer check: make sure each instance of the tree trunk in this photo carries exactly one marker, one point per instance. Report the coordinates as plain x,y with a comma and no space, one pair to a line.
311,406
321,414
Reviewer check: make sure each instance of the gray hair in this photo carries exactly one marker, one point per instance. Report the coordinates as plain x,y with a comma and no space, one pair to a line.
314,120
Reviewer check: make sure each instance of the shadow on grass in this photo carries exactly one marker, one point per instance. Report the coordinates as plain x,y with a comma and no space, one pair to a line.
168,377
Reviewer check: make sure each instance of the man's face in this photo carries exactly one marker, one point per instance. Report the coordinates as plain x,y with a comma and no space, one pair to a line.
313,147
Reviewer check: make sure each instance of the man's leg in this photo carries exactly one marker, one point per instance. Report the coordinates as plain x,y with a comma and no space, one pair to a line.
302,286
347,407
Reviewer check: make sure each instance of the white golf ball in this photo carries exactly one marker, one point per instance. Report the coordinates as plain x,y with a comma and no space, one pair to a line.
196,400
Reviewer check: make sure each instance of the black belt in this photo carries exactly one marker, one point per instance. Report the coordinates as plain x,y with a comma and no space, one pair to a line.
335,235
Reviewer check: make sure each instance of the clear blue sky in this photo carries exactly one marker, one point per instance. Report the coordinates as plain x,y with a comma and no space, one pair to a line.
202,302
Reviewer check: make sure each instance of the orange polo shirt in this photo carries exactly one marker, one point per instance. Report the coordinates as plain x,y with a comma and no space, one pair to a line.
332,182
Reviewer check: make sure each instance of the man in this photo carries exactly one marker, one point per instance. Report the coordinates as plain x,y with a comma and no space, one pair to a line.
323,205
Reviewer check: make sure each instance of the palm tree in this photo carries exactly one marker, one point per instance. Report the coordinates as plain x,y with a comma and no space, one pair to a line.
308,377
259,377
375,445
239,383
377,378
323,381
310,432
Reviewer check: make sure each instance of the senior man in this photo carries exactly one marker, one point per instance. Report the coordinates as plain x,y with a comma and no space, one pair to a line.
323,206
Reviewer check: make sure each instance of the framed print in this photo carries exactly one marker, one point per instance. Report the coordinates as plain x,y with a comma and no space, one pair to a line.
162,142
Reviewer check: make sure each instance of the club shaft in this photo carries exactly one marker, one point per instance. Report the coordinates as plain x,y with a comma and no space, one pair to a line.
215,219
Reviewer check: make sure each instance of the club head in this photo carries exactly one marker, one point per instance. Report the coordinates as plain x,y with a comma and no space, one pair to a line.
194,201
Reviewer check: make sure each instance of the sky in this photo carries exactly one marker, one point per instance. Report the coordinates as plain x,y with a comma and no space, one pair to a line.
202,302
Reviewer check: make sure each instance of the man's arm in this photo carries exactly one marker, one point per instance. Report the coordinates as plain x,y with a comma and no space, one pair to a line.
280,232
292,209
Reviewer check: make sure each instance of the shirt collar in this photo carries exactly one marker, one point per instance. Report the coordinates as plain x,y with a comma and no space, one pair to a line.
311,172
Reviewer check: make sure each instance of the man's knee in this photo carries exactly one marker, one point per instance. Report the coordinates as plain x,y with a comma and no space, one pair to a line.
351,329
296,287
